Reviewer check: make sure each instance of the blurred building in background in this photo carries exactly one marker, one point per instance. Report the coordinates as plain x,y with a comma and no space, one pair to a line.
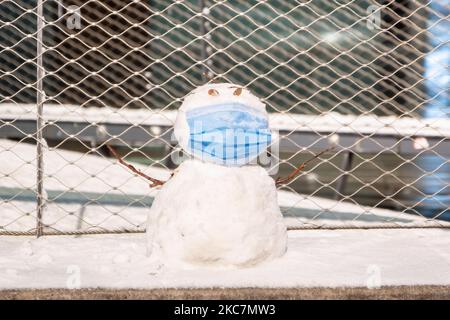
349,57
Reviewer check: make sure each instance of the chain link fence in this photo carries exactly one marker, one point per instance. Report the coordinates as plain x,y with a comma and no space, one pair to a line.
369,77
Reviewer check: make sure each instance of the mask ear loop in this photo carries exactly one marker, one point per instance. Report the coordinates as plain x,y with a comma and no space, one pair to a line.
272,168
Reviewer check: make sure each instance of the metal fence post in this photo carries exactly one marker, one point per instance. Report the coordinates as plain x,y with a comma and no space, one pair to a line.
342,182
39,120
204,49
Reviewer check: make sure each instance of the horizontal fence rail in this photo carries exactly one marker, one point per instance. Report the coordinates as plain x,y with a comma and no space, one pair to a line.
369,78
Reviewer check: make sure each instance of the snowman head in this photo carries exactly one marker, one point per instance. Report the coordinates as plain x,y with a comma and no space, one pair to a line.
224,124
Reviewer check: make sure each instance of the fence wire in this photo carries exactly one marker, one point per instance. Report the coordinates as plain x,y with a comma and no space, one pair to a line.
370,77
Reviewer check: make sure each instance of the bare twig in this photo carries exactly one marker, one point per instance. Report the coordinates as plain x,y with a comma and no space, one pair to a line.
154,182
297,170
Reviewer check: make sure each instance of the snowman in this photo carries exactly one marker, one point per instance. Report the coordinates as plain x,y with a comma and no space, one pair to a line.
220,207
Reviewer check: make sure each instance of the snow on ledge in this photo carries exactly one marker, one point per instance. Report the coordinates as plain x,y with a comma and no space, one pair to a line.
330,122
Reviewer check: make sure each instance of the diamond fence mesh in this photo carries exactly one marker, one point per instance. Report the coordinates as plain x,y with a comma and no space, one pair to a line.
368,77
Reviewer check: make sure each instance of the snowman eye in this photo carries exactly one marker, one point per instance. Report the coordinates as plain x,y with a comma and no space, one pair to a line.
213,92
237,92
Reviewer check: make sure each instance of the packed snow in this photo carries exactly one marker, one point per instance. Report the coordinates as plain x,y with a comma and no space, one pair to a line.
315,258
216,215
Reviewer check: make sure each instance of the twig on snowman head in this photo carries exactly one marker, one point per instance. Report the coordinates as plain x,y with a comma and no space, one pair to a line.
154,182
297,170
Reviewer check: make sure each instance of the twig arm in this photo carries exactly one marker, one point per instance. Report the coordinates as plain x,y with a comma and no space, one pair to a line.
297,170
154,182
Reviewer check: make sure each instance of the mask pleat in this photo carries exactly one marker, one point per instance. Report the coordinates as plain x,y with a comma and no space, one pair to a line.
228,137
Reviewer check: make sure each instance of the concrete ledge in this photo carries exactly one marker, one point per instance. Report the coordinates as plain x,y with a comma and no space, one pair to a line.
390,292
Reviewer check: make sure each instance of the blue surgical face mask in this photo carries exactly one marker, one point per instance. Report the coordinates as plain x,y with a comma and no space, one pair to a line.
227,134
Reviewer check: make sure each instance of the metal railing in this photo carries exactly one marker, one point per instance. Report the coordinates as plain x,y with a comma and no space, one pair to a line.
369,77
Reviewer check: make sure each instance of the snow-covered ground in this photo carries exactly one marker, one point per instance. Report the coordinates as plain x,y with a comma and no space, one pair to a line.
314,258
91,192
88,192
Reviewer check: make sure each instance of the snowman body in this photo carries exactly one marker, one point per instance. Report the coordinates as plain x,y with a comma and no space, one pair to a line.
218,209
